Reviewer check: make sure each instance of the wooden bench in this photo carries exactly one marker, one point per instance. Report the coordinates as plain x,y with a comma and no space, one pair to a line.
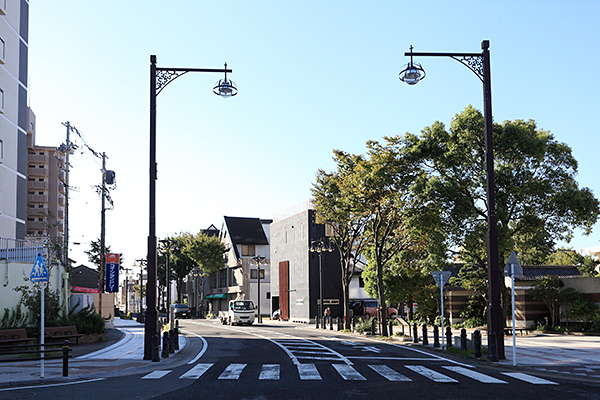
10,336
62,333
508,331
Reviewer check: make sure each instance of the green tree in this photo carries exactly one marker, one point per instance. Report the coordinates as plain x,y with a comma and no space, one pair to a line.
538,200
567,256
95,256
335,196
547,289
180,263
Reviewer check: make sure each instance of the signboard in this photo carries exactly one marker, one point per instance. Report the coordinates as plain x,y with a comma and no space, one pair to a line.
112,273
39,272
512,260
331,302
441,277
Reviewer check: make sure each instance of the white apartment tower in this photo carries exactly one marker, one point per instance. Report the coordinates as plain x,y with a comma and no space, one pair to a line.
14,117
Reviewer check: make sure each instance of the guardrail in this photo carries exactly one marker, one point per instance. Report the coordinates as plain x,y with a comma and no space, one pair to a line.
9,350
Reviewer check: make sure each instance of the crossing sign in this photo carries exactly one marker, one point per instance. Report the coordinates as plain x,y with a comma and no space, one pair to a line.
39,272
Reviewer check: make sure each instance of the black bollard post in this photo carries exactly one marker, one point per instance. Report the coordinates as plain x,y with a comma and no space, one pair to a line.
390,329
425,341
165,345
317,322
171,341
66,358
155,348
436,336
353,324
477,343
492,347
463,339
373,322
176,340
448,337
415,333
330,323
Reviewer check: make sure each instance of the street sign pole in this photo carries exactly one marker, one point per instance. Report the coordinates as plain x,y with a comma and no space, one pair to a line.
39,273
513,269
42,326
441,278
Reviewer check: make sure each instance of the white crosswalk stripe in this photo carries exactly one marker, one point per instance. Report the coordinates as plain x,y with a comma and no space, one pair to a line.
233,371
196,372
478,376
348,373
307,372
389,373
529,378
155,375
269,372
431,374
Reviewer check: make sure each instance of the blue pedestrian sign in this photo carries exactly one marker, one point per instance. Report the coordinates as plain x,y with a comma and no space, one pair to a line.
39,272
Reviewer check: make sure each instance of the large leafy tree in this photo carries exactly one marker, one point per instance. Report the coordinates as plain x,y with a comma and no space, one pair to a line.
335,195
538,200
180,263
567,256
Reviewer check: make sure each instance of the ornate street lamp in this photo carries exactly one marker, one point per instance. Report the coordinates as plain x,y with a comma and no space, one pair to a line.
479,64
320,246
159,78
258,260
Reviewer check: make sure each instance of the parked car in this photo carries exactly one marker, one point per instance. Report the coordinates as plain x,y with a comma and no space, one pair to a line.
182,311
370,309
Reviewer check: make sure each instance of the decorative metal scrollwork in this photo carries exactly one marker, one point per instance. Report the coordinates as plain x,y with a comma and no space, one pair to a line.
474,63
164,77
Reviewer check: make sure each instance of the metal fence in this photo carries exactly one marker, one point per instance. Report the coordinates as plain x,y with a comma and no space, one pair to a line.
20,250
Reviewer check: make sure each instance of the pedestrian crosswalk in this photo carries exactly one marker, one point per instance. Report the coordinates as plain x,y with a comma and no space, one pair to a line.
310,372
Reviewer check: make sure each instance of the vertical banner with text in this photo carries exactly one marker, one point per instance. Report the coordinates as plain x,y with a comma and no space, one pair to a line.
112,273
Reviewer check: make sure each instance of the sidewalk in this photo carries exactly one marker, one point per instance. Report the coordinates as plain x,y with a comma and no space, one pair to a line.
121,354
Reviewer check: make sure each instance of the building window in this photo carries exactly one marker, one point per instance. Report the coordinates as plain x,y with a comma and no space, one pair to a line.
268,295
253,273
361,282
248,250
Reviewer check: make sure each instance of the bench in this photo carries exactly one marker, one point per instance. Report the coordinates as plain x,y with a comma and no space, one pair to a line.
8,336
508,331
62,333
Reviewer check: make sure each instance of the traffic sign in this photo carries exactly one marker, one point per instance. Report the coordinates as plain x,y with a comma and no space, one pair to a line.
512,260
39,272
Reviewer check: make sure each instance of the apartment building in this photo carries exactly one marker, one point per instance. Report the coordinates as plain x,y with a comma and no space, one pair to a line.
14,115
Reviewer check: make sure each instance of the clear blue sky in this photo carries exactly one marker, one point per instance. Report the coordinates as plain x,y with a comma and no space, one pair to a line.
313,76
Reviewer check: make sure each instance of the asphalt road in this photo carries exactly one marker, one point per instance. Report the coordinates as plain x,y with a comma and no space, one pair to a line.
288,362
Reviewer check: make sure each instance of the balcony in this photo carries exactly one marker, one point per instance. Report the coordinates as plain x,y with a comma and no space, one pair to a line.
36,225
37,158
37,171
36,212
37,185
37,198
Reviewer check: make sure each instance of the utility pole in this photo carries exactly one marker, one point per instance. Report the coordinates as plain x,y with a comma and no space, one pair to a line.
102,233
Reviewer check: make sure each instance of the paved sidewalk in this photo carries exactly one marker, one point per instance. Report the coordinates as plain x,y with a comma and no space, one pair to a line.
115,357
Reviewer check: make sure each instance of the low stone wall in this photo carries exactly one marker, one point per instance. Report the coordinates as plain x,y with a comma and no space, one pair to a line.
93,338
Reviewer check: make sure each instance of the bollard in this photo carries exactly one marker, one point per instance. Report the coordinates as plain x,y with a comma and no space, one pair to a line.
172,341
330,323
317,322
436,336
415,333
492,347
463,339
165,345
155,348
477,343
353,324
176,340
373,322
425,341
390,329
448,337
66,358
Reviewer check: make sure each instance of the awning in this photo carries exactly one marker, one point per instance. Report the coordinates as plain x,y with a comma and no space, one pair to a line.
217,296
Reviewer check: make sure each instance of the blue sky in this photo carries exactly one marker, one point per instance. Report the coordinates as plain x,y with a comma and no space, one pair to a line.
313,76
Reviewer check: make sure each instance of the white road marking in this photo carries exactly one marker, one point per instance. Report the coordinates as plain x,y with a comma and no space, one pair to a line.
233,371
196,372
155,375
389,373
204,347
348,373
529,378
270,372
478,376
50,385
308,372
431,374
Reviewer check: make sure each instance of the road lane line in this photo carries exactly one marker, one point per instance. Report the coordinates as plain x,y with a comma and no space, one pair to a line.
233,371
196,372
155,375
389,373
478,376
270,372
529,378
308,372
431,374
204,346
50,385
348,373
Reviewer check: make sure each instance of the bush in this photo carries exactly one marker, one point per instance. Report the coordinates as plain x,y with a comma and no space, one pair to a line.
86,320
363,325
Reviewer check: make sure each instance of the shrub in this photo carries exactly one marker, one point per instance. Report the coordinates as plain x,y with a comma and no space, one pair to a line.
363,325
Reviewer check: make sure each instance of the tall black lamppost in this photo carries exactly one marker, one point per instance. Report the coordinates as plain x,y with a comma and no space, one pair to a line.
159,78
167,245
478,63
259,260
320,246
